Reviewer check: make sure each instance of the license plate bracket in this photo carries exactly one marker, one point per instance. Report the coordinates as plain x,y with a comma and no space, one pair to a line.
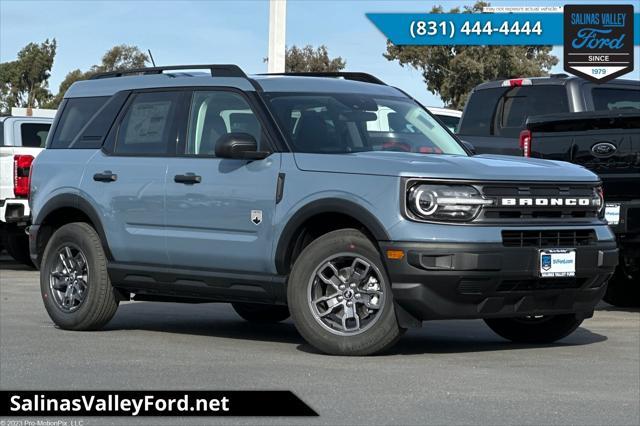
612,213
557,263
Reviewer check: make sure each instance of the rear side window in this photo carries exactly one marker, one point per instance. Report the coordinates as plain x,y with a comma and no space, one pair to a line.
76,114
149,125
34,135
503,111
477,119
609,99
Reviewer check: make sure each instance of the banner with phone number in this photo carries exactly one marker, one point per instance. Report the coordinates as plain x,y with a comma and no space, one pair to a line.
476,28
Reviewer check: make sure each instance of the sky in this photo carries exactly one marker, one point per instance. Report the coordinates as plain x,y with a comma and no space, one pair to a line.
219,31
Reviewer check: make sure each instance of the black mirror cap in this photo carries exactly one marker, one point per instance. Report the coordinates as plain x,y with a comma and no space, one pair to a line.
240,146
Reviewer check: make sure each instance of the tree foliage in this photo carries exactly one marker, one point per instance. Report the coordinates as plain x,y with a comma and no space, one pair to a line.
308,59
25,80
121,57
452,71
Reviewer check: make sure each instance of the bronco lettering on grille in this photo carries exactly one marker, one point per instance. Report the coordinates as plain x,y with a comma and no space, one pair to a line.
546,201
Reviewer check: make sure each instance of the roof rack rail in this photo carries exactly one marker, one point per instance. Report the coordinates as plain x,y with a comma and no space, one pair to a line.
223,70
355,76
559,75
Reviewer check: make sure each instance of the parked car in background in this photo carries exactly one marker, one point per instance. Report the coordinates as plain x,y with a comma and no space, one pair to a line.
21,140
567,118
450,117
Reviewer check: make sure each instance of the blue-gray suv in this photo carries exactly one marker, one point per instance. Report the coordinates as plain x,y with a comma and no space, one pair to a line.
332,198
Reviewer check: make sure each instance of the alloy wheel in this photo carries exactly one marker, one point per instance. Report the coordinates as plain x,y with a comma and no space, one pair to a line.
69,277
345,294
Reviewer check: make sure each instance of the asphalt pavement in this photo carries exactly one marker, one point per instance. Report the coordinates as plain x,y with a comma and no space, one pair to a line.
448,372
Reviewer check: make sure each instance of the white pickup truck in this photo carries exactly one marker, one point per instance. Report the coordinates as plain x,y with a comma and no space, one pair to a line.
21,140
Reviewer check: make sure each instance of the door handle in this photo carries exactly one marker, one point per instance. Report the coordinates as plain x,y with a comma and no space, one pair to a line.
187,179
106,176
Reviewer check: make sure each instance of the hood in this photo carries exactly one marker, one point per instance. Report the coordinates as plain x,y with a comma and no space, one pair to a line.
477,167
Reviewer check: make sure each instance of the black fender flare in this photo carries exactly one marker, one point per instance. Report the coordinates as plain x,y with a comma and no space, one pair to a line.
75,201
325,205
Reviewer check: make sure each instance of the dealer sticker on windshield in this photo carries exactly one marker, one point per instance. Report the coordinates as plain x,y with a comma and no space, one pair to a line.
557,263
612,213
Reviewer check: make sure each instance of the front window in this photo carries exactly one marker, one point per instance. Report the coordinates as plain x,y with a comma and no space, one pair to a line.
344,123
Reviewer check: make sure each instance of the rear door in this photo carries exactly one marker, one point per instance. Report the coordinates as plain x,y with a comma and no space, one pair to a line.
220,211
126,179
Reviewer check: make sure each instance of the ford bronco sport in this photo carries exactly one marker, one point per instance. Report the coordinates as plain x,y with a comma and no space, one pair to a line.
333,198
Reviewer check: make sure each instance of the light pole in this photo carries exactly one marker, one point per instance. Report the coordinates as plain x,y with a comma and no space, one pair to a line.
277,29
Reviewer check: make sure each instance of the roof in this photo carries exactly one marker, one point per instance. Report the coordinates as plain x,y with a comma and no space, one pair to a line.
268,83
554,79
445,111
26,118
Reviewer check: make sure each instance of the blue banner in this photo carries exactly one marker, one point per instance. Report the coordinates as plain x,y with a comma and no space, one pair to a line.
476,28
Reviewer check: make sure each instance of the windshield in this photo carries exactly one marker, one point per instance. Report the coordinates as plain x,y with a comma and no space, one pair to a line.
343,123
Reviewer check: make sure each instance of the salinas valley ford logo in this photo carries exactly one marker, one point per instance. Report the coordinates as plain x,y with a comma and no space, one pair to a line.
598,41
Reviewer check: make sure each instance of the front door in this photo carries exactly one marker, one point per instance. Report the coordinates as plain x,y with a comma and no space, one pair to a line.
219,212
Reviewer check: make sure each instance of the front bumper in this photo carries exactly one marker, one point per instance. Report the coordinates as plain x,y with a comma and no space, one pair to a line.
489,280
629,220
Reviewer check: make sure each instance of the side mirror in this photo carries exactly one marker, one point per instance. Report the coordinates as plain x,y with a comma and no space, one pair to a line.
239,146
469,147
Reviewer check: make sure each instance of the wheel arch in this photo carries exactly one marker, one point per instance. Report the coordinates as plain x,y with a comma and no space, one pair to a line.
342,213
63,209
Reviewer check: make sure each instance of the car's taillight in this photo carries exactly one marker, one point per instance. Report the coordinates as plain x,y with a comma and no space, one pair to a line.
21,178
525,142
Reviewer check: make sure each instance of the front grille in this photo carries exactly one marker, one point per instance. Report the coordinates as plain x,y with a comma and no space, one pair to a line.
549,238
545,192
541,284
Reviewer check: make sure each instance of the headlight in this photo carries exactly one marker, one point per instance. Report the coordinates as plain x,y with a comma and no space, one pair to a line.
600,202
444,203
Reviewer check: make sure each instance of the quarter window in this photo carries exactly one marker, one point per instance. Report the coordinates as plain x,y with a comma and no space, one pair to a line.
149,125
34,135
76,114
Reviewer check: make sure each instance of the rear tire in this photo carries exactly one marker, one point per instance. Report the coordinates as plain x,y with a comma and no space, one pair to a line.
18,248
336,278
623,289
260,314
547,329
77,293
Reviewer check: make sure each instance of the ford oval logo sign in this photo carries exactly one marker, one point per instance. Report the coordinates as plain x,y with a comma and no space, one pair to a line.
603,149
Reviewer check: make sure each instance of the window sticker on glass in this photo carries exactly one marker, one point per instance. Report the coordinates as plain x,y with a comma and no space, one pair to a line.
147,121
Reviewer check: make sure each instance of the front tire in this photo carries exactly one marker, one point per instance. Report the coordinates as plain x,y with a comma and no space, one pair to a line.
544,329
340,296
18,248
74,283
261,314
623,289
